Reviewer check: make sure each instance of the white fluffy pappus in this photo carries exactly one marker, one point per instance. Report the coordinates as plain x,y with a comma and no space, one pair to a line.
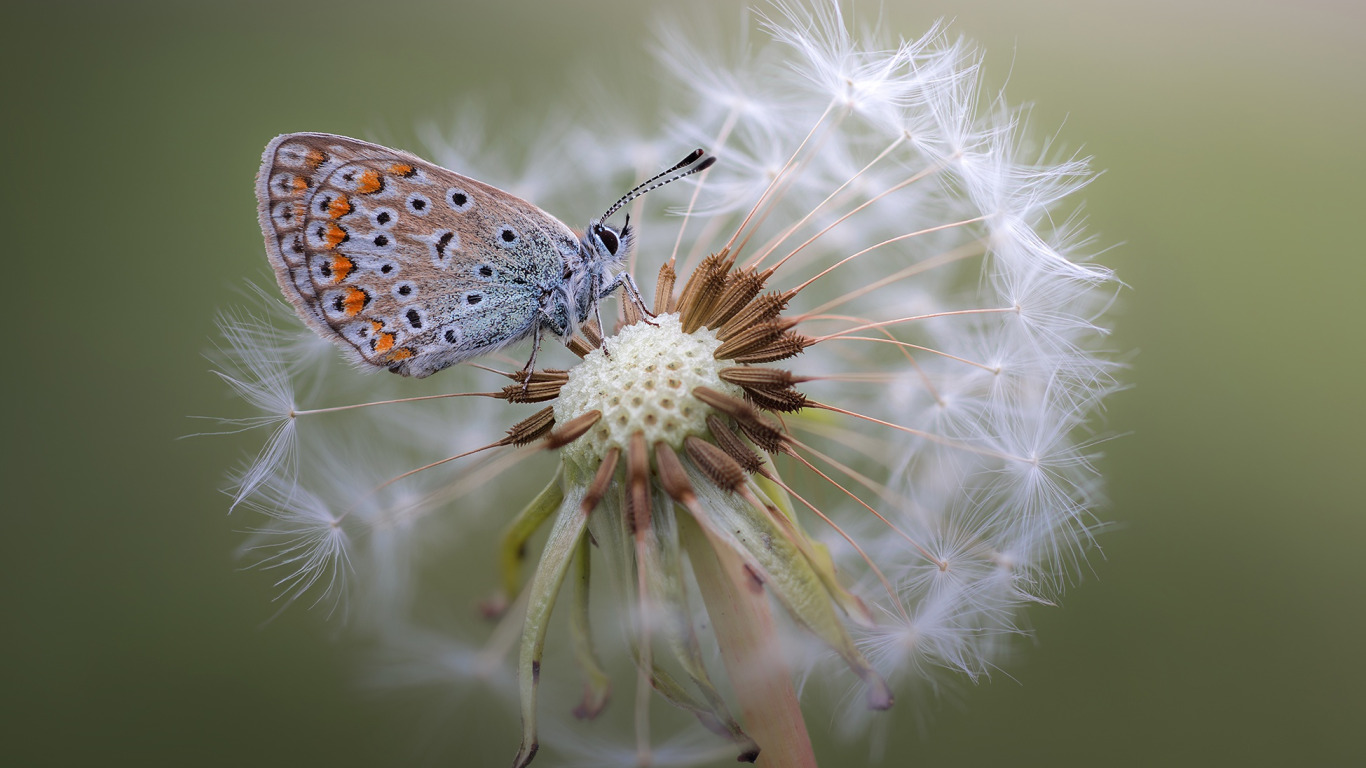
941,449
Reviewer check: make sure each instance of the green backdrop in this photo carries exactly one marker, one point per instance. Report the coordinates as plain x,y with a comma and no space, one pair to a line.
1224,622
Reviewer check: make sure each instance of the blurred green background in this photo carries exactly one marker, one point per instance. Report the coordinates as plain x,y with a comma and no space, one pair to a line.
1224,624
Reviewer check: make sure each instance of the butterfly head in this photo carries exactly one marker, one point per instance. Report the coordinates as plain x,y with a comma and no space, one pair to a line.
604,245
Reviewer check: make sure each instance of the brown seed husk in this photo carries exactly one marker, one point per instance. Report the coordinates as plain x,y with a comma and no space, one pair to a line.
572,430
702,290
762,309
775,399
733,445
756,427
752,338
740,290
530,428
715,463
664,288
789,344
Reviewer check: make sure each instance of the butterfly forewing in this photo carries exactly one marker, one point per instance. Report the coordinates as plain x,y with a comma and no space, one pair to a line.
408,266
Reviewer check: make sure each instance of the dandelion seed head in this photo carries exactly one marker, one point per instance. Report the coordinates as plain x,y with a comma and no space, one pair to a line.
868,384
642,382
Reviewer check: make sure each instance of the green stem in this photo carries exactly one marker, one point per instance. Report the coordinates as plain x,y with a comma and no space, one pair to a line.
748,639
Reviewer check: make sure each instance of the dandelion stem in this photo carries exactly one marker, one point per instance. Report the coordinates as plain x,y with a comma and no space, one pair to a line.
639,510
747,637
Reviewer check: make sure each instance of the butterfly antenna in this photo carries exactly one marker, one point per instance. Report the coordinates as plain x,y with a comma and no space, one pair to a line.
671,175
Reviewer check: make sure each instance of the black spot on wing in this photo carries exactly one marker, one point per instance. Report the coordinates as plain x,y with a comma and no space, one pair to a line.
458,199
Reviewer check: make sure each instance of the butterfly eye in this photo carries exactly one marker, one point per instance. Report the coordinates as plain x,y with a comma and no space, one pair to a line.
609,240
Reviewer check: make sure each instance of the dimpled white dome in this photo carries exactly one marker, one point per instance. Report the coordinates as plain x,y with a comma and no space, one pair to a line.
643,384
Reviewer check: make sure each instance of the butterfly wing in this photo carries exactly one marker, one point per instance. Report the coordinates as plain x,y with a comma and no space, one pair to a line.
404,264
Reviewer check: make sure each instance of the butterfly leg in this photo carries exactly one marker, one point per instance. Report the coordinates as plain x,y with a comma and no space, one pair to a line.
598,295
624,281
531,361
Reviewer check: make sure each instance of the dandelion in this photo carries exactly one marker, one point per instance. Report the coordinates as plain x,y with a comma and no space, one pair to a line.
849,439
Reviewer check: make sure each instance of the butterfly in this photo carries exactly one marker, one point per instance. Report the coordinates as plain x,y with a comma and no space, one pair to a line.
413,268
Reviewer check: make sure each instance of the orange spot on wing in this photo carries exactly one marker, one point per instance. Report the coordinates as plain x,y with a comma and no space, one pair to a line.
341,267
384,343
335,236
339,207
370,182
315,158
299,183
403,169
376,326
402,353
354,302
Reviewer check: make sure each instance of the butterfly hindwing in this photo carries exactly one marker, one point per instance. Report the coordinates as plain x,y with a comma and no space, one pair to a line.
406,265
